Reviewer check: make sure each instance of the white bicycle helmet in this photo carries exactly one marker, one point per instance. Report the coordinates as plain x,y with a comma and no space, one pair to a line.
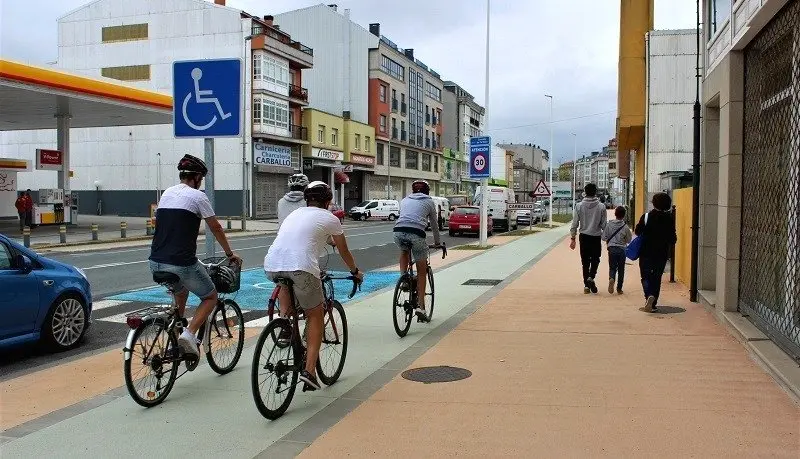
298,180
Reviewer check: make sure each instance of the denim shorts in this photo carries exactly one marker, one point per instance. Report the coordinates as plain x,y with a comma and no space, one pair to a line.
194,278
413,243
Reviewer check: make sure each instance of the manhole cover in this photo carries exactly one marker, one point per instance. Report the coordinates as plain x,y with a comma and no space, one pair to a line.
666,310
436,374
490,282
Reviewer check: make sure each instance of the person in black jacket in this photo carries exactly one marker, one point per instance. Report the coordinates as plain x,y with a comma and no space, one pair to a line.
659,236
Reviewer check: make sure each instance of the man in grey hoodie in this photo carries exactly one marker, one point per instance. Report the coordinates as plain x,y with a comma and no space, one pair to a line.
292,200
417,211
590,217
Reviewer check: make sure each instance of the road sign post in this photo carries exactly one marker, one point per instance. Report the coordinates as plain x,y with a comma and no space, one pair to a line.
524,206
480,166
207,103
541,191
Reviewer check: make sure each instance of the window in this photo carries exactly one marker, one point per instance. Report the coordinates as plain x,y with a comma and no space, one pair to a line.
412,159
272,112
334,137
433,92
257,67
5,258
436,164
379,155
124,33
394,157
719,12
321,134
257,101
394,95
426,162
367,143
383,93
383,123
271,70
127,72
392,68
358,141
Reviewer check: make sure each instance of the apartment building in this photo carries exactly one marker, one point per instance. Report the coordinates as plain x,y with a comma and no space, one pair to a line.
463,117
530,154
405,108
750,173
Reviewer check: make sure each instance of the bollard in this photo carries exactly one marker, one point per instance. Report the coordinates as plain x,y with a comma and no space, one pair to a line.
123,230
62,233
229,222
26,236
149,226
94,231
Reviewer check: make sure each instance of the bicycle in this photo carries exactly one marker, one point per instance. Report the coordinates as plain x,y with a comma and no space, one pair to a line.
291,353
222,333
407,283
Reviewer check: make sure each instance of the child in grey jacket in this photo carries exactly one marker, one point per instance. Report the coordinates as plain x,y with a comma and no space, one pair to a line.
617,235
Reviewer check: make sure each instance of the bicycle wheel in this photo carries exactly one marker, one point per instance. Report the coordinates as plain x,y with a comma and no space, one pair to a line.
155,353
402,309
429,294
333,351
275,371
225,337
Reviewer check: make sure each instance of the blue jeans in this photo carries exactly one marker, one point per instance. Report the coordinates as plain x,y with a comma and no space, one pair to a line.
418,246
652,270
194,277
616,265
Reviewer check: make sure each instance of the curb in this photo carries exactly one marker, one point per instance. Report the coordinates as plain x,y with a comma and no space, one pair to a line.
234,233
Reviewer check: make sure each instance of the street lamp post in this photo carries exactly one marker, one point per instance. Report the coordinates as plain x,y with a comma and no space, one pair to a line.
245,74
551,158
574,171
485,182
158,179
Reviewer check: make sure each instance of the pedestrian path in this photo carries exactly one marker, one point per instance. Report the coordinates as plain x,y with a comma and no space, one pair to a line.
212,415
556,373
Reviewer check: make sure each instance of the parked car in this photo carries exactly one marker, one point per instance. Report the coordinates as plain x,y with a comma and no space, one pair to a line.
42,299
537,214
337,211
466,219
385,209
499,198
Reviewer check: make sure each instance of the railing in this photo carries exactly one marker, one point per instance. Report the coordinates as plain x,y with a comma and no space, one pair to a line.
403,108
298,132
298,92
259,30
394,105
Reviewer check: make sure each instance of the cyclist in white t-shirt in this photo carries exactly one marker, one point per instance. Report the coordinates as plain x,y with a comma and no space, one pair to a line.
295,255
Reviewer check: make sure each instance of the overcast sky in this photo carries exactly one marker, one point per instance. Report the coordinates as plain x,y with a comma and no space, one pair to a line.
565,48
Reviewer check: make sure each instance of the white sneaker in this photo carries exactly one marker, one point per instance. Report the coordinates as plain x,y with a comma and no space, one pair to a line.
188,343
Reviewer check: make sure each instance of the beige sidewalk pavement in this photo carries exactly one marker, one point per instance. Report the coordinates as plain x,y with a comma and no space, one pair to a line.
556,373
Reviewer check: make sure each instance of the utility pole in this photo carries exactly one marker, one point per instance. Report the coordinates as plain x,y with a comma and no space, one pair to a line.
550,161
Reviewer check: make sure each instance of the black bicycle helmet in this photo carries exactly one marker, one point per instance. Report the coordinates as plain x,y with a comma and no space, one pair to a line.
192,164
318,192
420,186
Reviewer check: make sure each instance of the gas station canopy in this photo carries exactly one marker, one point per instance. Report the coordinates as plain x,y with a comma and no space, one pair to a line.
31,97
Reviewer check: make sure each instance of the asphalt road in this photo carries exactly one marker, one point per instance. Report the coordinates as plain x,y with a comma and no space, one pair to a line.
118,271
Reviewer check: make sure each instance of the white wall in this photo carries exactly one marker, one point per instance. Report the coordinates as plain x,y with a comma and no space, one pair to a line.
323,29
8,193
498,163
124,158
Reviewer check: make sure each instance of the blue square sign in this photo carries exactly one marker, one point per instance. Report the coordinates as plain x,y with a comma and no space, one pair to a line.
207,98
480,157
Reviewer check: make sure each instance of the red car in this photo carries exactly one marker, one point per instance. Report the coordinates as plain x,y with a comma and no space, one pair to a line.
466,219
337,211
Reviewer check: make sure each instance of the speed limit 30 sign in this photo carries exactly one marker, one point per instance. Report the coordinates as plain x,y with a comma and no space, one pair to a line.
480,156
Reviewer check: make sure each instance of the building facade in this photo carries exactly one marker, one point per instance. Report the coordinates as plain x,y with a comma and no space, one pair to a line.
750,173
669,131
405,108
463,117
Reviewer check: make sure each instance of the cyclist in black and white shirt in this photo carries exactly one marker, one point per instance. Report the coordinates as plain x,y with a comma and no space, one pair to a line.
180,211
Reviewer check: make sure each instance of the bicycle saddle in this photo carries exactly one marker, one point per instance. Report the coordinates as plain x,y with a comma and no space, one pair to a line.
162,277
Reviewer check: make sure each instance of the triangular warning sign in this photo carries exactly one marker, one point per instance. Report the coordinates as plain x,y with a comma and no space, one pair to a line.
541,189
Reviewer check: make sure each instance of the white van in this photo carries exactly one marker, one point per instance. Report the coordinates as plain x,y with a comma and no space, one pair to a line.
443,206
499,198
385,209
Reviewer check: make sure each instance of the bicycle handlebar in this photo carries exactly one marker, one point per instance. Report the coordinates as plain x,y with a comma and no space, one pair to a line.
440,246
356,283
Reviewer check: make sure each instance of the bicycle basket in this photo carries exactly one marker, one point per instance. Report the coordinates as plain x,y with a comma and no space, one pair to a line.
227,276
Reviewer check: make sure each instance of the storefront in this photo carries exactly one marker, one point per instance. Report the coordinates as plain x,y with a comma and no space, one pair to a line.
272,166
320,164
360,172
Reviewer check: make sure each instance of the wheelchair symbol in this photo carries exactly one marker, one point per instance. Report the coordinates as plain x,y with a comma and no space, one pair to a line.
201,97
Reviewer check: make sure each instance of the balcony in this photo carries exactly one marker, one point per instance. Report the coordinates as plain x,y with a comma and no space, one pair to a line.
298,53
298,132
296,92
427,143
403,108
286,133
435,144
419,140
394,105
394,133
403,136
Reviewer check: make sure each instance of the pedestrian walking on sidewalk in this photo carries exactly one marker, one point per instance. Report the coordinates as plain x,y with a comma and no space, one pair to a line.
617,235
21,204
590,219
658,229
28,209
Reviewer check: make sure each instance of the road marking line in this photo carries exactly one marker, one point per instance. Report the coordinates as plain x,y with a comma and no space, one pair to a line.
112,265
122,318
257,323
103,304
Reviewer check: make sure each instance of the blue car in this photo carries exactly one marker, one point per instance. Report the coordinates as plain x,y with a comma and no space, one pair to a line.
41,299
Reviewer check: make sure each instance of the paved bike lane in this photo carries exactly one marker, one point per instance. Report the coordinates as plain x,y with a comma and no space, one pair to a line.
208,415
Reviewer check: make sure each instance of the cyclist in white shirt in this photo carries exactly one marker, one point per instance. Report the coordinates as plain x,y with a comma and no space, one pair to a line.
295,255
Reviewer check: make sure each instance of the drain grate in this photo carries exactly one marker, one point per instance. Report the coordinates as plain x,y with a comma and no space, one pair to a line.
437,374
489,282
